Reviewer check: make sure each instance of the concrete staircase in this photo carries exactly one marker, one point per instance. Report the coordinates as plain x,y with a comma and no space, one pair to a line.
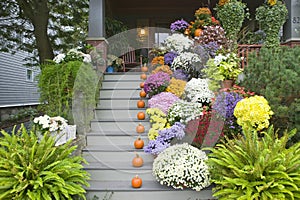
110,148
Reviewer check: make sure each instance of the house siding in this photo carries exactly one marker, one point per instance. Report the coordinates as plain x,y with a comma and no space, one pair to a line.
15,89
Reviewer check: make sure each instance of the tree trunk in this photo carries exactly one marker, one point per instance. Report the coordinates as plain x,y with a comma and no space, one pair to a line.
38,13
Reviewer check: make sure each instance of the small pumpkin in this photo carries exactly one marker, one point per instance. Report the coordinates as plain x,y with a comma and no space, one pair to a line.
144,68
141,115
198,32
139,143
137,161
143,76
143,94
140,128
142,85
140,104
136,182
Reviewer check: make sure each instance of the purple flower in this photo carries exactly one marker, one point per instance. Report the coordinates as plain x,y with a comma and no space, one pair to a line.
164,138
211,48
180,74
179,25
163,101
156,83
169,57
225,103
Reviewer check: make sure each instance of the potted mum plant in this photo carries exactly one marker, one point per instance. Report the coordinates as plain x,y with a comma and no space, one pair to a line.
225,68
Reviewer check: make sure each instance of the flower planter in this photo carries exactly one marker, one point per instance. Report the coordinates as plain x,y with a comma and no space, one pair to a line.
227,83
63,136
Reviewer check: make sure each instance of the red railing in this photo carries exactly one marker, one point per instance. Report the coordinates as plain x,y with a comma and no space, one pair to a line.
245,49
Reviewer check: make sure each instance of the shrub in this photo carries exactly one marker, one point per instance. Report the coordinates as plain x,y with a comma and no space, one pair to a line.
32,168
275,74
256,168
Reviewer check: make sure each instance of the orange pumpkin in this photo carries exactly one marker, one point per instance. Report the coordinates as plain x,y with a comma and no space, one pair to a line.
136,182
142,85
141,115
140,104
140,128
143,94
198,32
144,68
139,143
137,161
143,76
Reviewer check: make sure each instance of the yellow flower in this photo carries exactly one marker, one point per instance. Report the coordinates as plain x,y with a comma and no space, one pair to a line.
163,68
223,2
152,134
272,2
176,86
203,11
253,113
158,60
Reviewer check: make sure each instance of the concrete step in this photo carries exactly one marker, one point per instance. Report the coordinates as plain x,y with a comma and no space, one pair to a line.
120,175
112,148
120,94
120,156
121,84
122,190
126,125
117,166
129,76
119,103
116,114
114,140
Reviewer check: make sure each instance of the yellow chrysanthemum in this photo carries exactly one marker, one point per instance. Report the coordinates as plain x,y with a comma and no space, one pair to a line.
203,11
253,113
272,2
223,2
163,68
158,60
176,87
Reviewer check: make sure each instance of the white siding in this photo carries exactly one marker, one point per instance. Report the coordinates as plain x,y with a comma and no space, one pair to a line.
14,88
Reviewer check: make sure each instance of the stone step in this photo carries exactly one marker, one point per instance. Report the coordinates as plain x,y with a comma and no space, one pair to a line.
117,166
119,103
123,76
120,174
123,126
112,148
120,94
116,114
121,85
109,156
114,140
122,190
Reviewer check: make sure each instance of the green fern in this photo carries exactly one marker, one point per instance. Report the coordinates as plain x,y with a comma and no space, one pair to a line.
38,170
258,168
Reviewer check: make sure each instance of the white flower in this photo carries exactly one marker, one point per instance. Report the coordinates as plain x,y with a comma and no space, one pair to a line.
196,90
182,165
87,58
185,61
178,43
51,124
59,58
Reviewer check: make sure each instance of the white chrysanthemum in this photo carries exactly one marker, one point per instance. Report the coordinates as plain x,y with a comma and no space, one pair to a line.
182,165
178,43
185,61
59,58
196,90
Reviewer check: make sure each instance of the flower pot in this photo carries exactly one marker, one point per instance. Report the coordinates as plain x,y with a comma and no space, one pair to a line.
110,69
227,83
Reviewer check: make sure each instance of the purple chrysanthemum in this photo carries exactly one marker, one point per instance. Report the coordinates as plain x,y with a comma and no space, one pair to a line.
179,25
180,74
225,103
169,57
163,140
156,83
163,101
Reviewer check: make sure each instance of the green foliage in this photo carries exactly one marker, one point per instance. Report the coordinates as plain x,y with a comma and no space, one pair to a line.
36,169
232,15
271,19
57,82
274,74
253,167
65,21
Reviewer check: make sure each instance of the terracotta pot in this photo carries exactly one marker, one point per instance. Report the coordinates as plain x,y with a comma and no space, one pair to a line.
227,83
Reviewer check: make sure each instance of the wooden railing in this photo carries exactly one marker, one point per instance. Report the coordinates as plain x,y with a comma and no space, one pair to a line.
245,49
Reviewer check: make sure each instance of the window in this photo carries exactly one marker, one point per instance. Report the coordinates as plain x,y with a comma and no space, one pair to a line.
160,38
29,75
